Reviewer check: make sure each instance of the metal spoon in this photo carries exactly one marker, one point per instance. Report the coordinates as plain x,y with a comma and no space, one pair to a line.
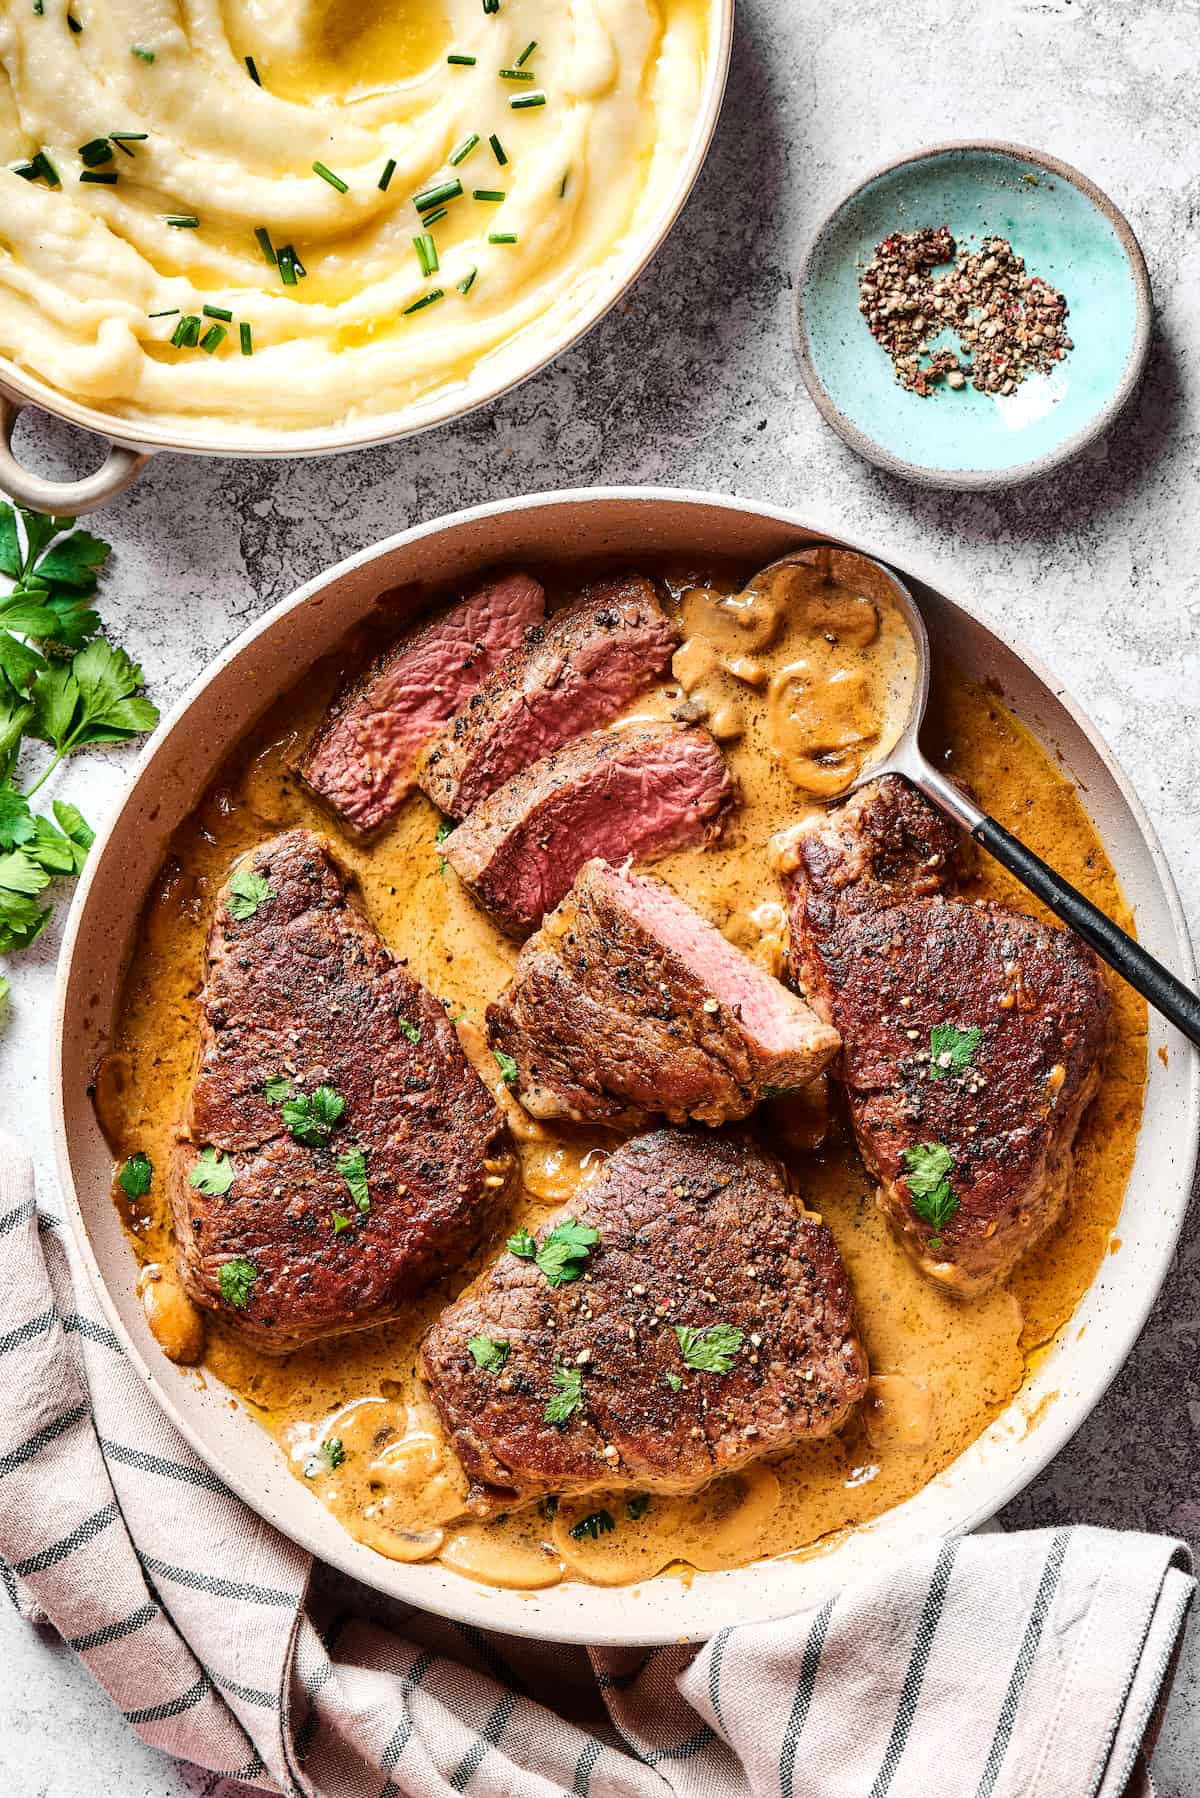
1168,995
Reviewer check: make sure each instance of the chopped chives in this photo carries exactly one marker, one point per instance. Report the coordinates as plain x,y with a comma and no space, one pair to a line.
264,243
296,262
523,100
187,332
129,137
252,71
462,62
436,196
498,150
39,7
502,237
100,177
138,50
526,53
435,218
426,299
247,337
491,6
467,282
73,22
516,74
488,193
287,265
92,154
562,186
319,168
389,169
217,312
213,338
43,166
167,312
427,254
183,221
464,149
26,170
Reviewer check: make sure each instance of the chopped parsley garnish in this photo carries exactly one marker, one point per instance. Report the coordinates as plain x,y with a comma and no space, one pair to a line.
951,1049
673,1380
247,891
567,1397
487,1353
352,1166
464,149
235,1280
522,1245
252,71
566,1251
333,1451
498,150
326,174
927,1169
277,1087
340,1222
637,1506
592,1527
212,1174
508,1067
138,50
310,1117
136,1176
709,1351
330,1455
411,1031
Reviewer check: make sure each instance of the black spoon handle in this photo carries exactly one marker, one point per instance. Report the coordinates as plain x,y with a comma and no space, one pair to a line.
1167,994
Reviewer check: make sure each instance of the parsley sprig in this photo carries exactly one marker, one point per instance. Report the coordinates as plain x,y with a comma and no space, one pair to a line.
567,1397
951,1049
709,1351
927,1169
565,1253
60,684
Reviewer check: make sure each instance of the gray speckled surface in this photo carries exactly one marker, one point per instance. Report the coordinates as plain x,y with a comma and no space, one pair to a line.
692,382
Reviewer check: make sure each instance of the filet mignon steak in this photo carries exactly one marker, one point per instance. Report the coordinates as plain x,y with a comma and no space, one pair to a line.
362,757
973,1037
715,1324
627,1003
570,675
639,791
331,1086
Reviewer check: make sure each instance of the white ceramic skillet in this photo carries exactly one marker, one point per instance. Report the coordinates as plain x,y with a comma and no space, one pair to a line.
176,766
131,443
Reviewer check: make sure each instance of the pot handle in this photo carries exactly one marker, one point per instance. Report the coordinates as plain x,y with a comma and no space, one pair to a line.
120,468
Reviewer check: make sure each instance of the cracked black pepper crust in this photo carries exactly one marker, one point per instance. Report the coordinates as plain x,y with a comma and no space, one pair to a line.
305,989
695,1229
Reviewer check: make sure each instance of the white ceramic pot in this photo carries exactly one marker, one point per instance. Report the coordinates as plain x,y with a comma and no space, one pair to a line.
130,445
176,766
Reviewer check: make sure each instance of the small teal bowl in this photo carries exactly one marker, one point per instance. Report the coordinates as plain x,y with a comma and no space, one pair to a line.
1068,232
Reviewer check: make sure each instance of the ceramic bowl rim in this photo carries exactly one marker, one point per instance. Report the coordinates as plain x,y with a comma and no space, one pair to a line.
969,480
485,1606
144,436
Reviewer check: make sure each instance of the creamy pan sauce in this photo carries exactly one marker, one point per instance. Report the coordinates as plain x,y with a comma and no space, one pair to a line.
800,683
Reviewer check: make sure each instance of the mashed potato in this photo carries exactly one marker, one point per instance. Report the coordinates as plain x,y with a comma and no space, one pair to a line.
210,206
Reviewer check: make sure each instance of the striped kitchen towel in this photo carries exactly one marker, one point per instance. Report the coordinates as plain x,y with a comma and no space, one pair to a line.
1020,1666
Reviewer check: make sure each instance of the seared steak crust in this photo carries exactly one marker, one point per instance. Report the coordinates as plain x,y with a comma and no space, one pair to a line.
695,1230
304,989
639,791
361,759
570,675
887,974
608,1018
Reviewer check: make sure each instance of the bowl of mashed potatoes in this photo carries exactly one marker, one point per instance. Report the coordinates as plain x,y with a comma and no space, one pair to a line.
300,226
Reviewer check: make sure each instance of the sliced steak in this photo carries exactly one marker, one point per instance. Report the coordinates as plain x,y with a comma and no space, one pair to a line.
695,1231
640,791
362,757
973,1036
571,675
627,1003
303,991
